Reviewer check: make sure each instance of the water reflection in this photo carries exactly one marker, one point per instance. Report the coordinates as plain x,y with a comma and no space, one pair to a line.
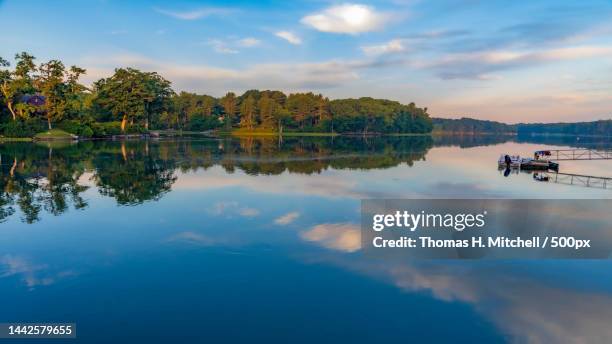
245,238
36,177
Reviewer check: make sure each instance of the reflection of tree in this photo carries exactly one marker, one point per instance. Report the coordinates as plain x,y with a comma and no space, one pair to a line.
470,140
134,176
39,177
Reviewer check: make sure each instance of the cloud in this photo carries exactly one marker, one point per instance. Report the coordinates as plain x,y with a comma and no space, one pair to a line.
393,46
344,237
221,48
287,218
231,46
289,37
215,80
193,14
248,42
480,65
347,18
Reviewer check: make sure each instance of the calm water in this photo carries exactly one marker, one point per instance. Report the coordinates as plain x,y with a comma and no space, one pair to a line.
231,240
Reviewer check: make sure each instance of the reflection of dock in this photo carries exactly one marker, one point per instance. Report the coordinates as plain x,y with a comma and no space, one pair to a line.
574,179
577,154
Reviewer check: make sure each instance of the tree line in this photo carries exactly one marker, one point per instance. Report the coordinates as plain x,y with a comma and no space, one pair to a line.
35,97
467,125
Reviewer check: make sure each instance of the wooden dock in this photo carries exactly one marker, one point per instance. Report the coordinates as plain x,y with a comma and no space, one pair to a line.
575,154
574,179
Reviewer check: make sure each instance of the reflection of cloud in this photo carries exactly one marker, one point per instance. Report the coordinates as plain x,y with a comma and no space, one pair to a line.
524,310
31,273
527,311
248,212
233,207
347,18
339,236
287,218
325,185
193,238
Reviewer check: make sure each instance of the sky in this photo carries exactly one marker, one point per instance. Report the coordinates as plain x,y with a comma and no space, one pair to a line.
511,61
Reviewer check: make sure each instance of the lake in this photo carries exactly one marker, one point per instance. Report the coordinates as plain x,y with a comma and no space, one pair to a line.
257,239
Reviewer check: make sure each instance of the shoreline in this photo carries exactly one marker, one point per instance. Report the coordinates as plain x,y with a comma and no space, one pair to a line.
238,133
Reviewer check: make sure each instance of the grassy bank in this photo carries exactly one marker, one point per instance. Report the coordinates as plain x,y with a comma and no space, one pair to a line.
15,139
241,132
54,134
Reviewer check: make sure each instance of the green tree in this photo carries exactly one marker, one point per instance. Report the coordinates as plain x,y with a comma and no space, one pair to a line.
267,109
19,82
51,84
247,113
228,102
133,96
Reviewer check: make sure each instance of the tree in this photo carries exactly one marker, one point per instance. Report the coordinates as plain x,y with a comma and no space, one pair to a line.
19,82
51,84
6,91
267,109
228,102
131,95
247,113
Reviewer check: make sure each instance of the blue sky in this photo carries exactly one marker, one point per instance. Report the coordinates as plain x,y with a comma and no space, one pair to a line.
503,60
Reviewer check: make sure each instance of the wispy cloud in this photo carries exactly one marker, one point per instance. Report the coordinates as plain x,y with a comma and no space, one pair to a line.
248,42
347,18
289,37
480,65
221,47
287,218
393,46
210,79
193,14
230,46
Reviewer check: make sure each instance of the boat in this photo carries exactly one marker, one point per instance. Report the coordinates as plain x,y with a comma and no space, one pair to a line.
515,161
526,163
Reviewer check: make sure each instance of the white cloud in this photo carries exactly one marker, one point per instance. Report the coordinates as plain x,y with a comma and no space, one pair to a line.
216,80
221,48
393,46
344,237
248,42
289,37
347,18
287,218
193,14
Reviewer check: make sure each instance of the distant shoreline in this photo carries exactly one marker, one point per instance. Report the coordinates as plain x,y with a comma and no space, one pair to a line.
246,134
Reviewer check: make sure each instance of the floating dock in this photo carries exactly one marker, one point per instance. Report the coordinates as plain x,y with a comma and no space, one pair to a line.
574,154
